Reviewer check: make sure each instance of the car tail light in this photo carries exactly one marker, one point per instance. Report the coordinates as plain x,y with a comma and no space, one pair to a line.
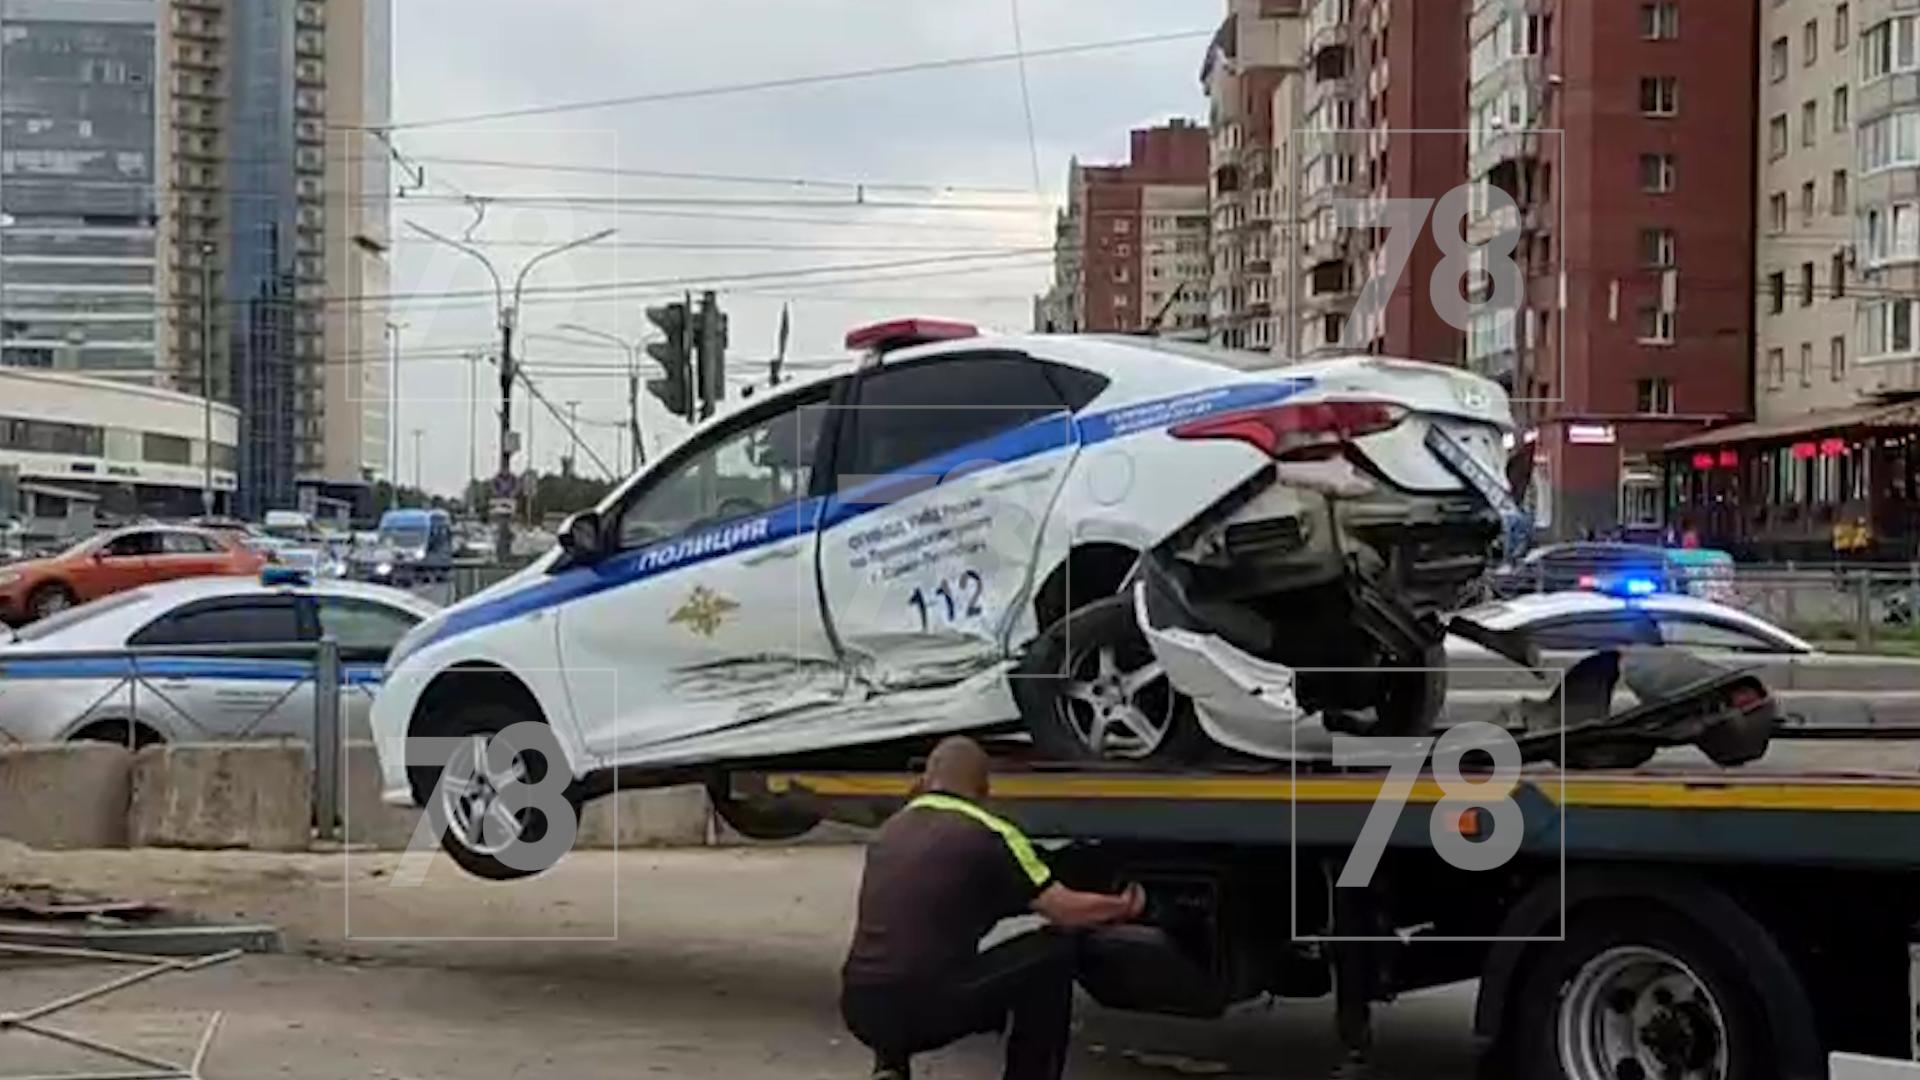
1746,695
1290,430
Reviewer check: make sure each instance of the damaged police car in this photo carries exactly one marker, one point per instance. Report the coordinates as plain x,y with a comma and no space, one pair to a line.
943,539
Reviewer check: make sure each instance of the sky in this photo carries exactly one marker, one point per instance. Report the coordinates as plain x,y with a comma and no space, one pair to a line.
955,140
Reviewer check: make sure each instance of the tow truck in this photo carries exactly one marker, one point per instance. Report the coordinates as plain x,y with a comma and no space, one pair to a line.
1675,919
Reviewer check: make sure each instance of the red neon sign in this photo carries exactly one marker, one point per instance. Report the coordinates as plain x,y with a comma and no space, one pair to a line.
1804,450
1832,447
1729,459
1703,461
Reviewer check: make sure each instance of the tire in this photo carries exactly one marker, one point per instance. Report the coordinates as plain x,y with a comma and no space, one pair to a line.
774,820
49,599
454,812
1713,1021
1411,700
1070,702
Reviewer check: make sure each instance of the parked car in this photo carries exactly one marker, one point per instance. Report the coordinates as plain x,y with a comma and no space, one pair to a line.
113,561
1811,686
938,542
161,698
1617,567
412,546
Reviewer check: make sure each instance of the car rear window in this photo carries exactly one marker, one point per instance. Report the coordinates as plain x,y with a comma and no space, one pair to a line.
53,624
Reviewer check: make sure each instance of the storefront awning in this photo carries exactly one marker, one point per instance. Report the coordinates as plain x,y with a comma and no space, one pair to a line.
1903,414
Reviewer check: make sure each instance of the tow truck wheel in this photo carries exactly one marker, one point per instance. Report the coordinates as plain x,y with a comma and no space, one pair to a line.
1642,995
1092,690
478,828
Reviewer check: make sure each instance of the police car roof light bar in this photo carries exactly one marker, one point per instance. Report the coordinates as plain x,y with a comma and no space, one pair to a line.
893,334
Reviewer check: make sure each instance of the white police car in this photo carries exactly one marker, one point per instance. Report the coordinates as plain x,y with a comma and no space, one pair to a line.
937,541
71,676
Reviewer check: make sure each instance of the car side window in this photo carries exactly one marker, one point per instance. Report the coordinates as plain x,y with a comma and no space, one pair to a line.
179,543
907,414
132,545
363,629
1599,632
225,621
765,464
1708,635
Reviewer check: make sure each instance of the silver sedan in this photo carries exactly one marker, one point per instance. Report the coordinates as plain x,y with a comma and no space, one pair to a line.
1811,686
56,686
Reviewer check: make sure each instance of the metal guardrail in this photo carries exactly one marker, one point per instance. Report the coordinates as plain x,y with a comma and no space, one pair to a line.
323,668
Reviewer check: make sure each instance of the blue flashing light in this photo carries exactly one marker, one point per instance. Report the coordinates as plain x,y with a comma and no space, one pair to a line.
1641,586
284,575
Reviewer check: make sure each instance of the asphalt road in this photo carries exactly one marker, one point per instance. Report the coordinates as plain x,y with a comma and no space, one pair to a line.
722,964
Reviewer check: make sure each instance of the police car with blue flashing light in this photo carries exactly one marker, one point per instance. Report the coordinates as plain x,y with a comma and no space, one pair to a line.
60,679
942,539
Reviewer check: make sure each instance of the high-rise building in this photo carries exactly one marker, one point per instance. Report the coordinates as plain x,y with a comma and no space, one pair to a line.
77,194
1381,119
269,227
1621,135
1131,244
1257,44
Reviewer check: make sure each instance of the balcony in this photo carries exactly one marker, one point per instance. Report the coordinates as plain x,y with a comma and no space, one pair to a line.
1329,287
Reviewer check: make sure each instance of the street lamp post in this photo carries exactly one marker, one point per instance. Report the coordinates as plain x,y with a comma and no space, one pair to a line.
206,376
473,434
508,315
632,349
420,490
393,412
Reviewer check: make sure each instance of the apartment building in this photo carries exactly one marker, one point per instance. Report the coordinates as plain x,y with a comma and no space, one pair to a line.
1257,46
1381,118
1131,244
265,222
1616,133
77,187
1830,467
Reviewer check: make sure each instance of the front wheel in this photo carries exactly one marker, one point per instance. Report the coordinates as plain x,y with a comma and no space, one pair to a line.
49,600
490,832
1092,690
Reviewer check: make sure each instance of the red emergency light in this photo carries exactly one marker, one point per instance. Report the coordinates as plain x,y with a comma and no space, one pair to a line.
900,333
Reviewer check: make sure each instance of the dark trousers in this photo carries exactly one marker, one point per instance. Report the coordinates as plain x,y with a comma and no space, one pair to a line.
1028,979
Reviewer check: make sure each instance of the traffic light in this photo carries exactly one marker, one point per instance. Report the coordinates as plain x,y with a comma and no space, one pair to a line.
674,353
710,339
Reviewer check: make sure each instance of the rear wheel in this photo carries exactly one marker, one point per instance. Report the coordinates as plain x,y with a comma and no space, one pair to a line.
772,819
1092,689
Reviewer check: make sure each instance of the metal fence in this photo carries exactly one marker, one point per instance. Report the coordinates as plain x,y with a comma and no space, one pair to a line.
111,683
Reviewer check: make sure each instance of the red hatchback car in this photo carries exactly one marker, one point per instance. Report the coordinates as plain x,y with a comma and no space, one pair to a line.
115,561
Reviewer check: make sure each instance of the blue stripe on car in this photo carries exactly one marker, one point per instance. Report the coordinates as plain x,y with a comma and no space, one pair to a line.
808,515
172,667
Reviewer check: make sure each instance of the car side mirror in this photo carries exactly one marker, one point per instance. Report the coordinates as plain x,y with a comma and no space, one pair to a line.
580,537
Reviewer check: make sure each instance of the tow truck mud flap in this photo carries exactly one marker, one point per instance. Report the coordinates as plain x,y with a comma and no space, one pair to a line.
1243,702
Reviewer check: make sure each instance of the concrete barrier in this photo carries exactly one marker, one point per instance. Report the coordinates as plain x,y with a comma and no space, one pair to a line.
69,796
369,821
655,817
222,795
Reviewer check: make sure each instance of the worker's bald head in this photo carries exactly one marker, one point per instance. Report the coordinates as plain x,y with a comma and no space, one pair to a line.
957,766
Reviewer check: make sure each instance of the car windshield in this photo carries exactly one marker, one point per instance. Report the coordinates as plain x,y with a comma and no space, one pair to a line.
404,536
53,624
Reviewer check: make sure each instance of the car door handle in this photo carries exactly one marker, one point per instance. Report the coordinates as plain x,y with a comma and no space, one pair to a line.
1019,478
785,551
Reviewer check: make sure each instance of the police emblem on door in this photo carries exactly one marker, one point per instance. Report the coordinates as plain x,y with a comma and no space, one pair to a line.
704,611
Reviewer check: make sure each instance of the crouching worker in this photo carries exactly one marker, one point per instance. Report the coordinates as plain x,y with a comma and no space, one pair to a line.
941,873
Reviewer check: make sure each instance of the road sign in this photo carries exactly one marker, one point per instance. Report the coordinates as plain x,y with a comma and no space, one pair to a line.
504,485
501,507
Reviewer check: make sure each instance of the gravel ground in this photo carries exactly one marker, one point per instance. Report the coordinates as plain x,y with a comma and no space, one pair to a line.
722,964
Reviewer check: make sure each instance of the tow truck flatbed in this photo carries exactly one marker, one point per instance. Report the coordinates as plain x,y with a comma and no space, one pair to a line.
1784,890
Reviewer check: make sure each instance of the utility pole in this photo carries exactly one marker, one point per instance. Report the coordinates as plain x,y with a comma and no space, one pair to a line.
393,412
206,376
632,349
573,429
473,435
504,483
417,487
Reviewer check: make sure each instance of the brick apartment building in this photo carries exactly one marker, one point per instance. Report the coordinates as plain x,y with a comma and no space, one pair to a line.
1132,240
1625,135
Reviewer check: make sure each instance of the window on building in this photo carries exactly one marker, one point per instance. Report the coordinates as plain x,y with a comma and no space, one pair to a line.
1660,21
1890,140
1893,233
1810,43
1777,137
1656,172
1837,280
1842,109
1888,47
1654,396
1841,30
1776,65
1808,199
1776,367
1806,284
1653,324
1659,95
1838,204
1806,363
1777,292
1889,329
1777,211
1809,123
1122,226
1837,357
1656,247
